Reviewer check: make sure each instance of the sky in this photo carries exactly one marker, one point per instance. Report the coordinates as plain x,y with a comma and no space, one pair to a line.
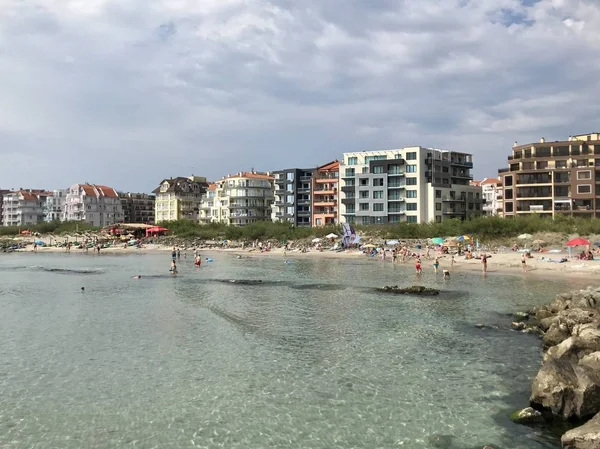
128,92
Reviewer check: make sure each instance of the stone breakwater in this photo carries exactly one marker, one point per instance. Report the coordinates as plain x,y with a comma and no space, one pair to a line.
567,386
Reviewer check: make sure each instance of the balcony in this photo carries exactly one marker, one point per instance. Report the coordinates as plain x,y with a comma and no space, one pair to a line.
454,212
305,178
449,199
394,199
325,203
461,163
325,191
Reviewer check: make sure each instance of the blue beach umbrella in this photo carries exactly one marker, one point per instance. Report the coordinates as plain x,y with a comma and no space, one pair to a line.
39,242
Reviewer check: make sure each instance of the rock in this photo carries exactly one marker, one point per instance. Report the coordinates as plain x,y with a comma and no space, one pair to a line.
555,334
527,415
546,323
542,313
521,316
583,437
517,325
413,290
441,441
534,330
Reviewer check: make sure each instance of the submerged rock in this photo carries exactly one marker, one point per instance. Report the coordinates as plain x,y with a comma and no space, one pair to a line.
521,316
583,437
527,415
413,290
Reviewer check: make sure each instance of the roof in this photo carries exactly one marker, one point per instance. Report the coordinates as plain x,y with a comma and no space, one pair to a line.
212,186
108,192
27,196
88,189
252,175
330,165
175,183
491,181
476,183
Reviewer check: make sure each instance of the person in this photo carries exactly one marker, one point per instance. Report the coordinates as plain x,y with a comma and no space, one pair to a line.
178,253
173,266
436,264
82,289
173,254
418,266
452,261
523,263
139,276
484,262
446,274
198,261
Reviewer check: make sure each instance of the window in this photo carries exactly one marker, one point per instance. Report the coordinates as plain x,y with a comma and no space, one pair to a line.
365,170
411,206
378,182
363,182
438,219
363,194
411,219
378,207
411,169
289,176
352,161
411,181
438,206
363,206
375,158
349,172
438,193
584,174
378,195
411,194
378,169
289,198
290,211
411,155
584,189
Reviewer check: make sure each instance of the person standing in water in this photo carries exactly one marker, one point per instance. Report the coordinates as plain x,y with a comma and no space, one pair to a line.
173,266
436,264
198,260
484,262
418,266
523,263
174,254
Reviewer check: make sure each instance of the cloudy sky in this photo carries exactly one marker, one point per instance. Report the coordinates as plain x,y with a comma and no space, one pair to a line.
127,92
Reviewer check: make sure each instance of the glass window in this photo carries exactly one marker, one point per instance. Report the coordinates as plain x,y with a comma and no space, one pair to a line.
411,155
584,189
411,181
411,219
365,170
411,194
377,182
290,211
411,206
349,172
411,169
378,169
438,193
352,161
378,207
584,175
378,195
438,206
289,176
374,158
363,206
363,182
363,194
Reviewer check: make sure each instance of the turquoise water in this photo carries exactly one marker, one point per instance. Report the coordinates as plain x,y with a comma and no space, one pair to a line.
310,358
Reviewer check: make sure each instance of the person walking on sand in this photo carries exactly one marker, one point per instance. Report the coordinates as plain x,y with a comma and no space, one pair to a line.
523,263
452,261
436,264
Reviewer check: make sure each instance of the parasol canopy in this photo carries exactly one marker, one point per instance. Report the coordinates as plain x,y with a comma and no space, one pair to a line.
462,238
524,236
370,245
316,240
331,236
437,240
578,242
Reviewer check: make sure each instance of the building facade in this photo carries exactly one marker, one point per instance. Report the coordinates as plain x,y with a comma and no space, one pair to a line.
292,202
22,208
412,184
553,178
97,205
54,205
137,207
179,198
239,199
325,204
2,193
491,192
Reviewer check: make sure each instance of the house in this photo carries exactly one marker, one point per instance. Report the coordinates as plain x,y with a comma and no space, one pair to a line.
22,208
179,198
324,194
97,205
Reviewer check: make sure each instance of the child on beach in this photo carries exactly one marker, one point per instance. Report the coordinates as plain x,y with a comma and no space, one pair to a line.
418,266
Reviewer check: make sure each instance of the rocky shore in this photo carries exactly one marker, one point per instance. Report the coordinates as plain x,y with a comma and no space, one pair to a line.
567,386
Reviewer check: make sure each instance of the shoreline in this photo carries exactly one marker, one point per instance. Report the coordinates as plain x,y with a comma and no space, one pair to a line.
499,264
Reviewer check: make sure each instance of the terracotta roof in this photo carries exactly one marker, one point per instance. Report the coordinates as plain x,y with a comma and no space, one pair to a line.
476,183
330,165
491,181
212,186
250,175
88,189
27,196
108,192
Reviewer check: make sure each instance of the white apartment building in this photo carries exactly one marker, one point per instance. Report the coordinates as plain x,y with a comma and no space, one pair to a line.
95,204
492,194
239,199
411,184
54,205
22,208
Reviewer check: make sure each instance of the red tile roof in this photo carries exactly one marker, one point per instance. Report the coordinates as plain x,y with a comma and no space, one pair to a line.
329,166
108,192
27,196
491,181
212,186
250,175
88,189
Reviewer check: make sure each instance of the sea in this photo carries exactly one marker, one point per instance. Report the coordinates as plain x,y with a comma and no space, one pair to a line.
260,353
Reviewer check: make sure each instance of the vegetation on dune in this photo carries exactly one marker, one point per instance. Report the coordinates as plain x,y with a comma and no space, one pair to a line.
51,227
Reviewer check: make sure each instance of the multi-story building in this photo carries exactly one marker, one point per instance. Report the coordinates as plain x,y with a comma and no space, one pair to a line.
2,193
238,200
412,184
491,192
293,196
137,207
179,198
54,205
22,208
554,178
325,199
95,204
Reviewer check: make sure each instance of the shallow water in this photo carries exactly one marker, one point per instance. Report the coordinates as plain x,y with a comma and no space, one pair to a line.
309,358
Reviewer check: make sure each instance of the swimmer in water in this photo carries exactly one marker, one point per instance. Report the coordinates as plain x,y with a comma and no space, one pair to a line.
139,276
82,289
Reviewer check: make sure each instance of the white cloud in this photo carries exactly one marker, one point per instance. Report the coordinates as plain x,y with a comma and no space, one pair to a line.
224,85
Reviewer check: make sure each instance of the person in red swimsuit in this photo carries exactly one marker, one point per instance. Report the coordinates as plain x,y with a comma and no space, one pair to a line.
418,266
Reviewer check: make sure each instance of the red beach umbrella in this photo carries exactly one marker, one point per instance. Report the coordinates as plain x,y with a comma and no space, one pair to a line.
578,242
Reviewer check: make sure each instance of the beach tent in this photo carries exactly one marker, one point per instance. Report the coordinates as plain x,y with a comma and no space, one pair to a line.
348,235
578,242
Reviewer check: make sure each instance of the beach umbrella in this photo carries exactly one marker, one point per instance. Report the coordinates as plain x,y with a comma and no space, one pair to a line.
331,236
462,238
437,240
370,245
39,242
317,240
524,236
578,242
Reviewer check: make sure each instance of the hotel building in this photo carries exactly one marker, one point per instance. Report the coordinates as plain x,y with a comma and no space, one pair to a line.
293,196
95,204
491,191
553,178
22,208
179,198
412,184
137,207
54,205
325,199
239,199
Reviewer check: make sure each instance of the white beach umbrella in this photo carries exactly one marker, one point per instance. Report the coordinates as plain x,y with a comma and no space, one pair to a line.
524,236
331,236
317,240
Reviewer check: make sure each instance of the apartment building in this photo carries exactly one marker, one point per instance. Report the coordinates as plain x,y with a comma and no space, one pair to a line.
54,205
553,178
491,192
22,208
137,207
293,196
2,193
325,204
95,204
179,198
411,184
239,199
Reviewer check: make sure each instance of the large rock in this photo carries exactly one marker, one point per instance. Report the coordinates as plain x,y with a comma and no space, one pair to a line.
583,437
527,415
413,290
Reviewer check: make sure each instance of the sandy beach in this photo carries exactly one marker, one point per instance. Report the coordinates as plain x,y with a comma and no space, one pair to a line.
509,262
